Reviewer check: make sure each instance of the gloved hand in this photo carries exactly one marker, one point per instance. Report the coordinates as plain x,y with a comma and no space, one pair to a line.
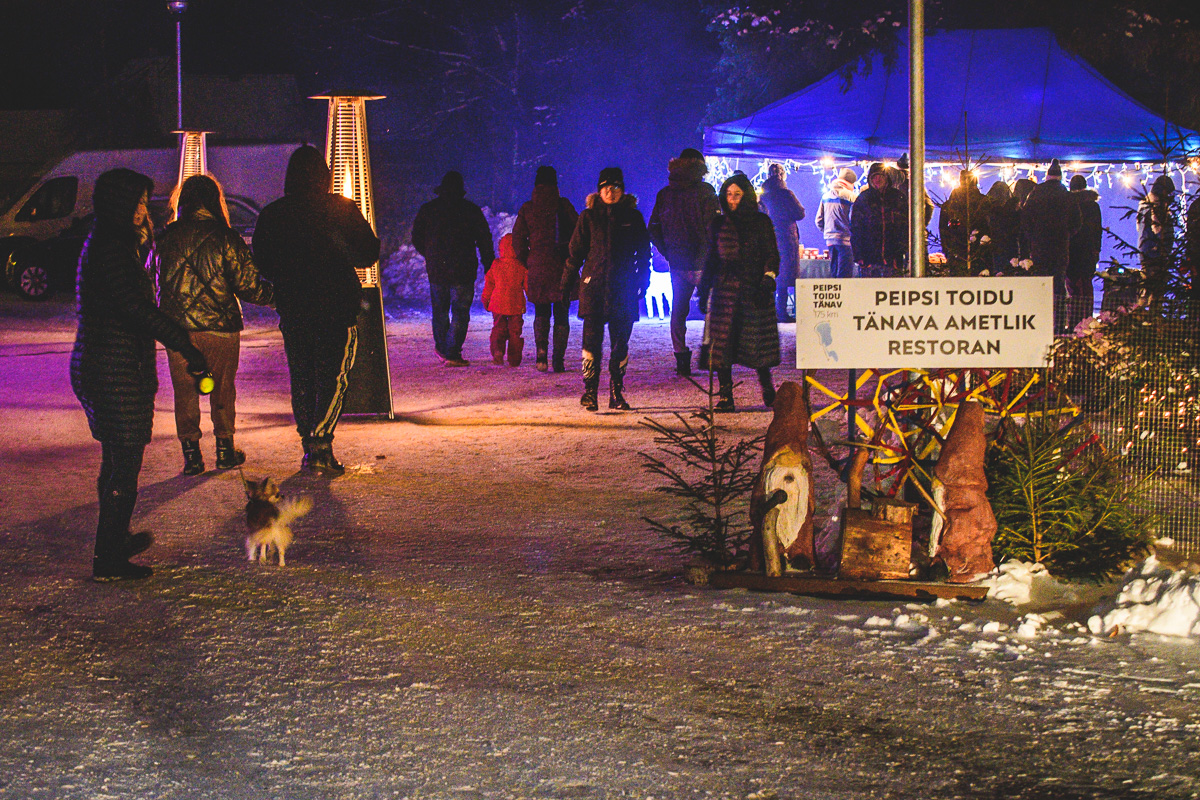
566,285
197,365
766,292
702,300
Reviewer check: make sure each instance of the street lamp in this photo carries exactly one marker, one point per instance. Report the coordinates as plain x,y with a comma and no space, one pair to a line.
177,7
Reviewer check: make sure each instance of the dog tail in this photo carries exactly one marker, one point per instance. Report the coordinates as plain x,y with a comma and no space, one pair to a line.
293,509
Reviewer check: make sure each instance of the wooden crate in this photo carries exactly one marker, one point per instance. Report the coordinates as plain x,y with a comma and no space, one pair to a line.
874,549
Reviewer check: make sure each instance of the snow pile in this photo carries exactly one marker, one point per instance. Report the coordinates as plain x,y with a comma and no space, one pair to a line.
1022,583
1155,599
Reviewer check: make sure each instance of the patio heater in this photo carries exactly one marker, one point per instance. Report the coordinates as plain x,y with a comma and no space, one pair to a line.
193,154
370,387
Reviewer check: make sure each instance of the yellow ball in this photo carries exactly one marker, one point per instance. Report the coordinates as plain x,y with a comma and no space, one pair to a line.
206,384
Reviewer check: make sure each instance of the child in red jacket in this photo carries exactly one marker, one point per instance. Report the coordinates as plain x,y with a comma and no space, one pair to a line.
504,296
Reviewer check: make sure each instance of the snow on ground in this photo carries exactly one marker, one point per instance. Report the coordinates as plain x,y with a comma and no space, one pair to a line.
477,611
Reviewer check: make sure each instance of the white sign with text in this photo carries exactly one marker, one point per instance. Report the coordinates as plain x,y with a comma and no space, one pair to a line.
923,322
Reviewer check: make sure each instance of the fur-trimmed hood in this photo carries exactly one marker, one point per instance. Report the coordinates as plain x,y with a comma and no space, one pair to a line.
594,201
686,171
841,190
1087,194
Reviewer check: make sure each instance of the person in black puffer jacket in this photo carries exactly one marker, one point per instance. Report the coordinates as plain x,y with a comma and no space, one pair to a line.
113,370
879,226
737,290
779,203
447,232
610,242
202,268
309,244
1084,253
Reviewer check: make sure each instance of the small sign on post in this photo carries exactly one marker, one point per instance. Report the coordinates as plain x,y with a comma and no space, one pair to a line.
880,323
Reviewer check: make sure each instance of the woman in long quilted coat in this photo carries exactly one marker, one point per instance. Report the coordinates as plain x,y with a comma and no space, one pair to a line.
113,369
738,291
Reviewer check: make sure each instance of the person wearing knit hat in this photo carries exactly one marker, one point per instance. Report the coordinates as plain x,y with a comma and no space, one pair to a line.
540,238
678,228
1084,253
833,219
448,232
612,247
1049,218
879,226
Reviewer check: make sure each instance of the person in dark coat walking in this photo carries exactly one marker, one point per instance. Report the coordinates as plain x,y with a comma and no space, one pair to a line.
310,244
449,231
779,203
1049,219
202,268
610,243
113,370
1084,253
1004,223
679,229
738,291
879,226
963,224
541,236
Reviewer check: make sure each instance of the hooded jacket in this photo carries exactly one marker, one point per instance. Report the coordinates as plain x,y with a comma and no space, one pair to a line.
541,236
448,231
833,217
309,243
879,223
113,369
202,269
1086,244
1049,218
1004,223
610,243
779,203
965,216
504,284
682,210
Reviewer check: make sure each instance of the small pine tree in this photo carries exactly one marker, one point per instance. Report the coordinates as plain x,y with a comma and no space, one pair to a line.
713,480
1060,501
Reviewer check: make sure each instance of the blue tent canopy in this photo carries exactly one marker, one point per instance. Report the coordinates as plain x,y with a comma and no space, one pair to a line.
1021,97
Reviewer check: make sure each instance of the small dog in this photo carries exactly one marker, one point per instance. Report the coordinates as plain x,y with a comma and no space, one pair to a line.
268,519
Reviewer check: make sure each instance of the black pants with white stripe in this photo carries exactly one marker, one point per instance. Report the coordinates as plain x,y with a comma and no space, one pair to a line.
319,359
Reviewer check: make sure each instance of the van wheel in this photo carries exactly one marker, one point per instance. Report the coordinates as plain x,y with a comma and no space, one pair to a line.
32,280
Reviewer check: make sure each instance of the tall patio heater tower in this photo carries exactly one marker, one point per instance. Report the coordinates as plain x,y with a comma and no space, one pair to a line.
193,154
370,386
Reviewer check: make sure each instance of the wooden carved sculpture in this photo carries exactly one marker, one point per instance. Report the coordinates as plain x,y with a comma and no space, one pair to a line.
964,541
782,504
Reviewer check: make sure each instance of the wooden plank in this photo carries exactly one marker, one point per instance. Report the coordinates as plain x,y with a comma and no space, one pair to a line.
817,585
874,549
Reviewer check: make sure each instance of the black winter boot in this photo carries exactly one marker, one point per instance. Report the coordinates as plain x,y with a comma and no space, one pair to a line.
114,544
561,334
725,392
541,342
323,459
310,446
683,364
767,386
228,456
616,387
193,459
591,384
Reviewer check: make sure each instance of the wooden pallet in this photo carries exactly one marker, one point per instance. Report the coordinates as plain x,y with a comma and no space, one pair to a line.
818,585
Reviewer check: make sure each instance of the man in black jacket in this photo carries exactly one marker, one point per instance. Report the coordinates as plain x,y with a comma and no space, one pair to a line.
679,229
309,244
1084,253
447,232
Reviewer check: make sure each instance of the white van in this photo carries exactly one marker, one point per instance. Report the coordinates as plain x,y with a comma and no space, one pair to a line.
252,176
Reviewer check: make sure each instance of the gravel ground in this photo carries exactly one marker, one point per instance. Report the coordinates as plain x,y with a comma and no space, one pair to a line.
477,611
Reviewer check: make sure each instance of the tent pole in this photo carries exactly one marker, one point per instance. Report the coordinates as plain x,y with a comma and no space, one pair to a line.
917,255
